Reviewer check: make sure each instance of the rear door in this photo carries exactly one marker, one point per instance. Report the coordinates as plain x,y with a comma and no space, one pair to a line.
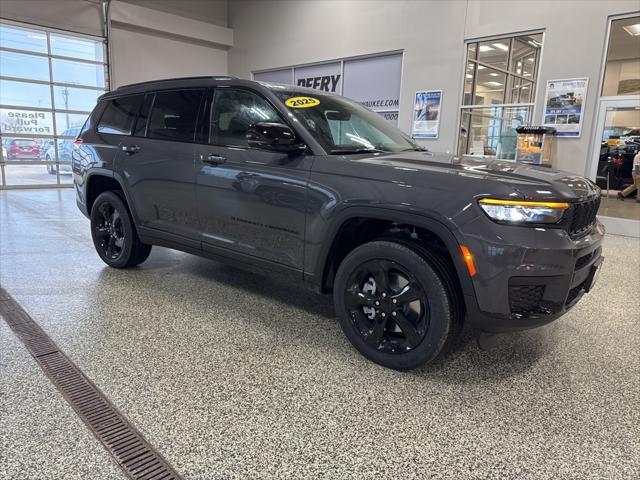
250,201
157,163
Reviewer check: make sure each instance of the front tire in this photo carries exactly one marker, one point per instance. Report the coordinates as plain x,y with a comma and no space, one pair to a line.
114,234
395,306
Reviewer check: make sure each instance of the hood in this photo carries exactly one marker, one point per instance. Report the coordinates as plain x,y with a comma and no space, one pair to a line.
530,181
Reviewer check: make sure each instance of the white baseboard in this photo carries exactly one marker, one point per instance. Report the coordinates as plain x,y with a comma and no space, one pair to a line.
621,226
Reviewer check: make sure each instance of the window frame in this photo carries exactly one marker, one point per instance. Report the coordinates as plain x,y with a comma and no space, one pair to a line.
534,80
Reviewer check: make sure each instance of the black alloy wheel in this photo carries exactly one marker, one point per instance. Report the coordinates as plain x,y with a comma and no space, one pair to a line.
397,304
387,306
108,230
114,234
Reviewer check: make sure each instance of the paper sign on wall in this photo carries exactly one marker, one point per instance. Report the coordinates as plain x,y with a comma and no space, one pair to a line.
564,105
426,114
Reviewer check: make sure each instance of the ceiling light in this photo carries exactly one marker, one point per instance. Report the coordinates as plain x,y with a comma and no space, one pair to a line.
494,84
469,75
530,59
494,74
633,30
519,71
481,67
526,74
486,48
501,46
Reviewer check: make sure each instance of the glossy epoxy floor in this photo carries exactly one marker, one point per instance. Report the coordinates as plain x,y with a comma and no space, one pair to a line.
235,375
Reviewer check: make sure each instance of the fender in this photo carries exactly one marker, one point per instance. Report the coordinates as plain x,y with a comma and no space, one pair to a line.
447,233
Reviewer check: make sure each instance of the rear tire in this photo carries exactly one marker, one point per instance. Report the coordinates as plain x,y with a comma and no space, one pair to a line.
114,235
406,333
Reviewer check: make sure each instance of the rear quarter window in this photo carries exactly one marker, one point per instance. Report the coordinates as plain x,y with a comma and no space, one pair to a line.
119,115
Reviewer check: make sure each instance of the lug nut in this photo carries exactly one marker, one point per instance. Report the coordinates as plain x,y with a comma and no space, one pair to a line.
394,300
377,303
394,314
384,295
384,314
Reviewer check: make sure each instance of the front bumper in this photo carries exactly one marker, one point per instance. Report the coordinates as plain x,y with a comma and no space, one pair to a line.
528,277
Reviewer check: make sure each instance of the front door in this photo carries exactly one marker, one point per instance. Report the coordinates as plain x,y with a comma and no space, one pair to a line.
250,201
616,144
158,165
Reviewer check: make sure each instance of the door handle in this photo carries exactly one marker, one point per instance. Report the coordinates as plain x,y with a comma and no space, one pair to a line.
213,159
130,148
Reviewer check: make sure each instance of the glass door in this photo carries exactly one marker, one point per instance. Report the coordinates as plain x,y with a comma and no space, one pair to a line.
615,159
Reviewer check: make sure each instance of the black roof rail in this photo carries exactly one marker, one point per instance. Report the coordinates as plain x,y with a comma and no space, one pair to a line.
161,80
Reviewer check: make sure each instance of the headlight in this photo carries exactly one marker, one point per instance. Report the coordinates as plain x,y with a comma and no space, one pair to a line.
515,211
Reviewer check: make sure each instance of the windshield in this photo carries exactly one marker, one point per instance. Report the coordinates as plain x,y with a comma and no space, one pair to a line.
343,126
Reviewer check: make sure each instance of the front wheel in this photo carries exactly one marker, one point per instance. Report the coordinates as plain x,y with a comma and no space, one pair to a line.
394,305
114,234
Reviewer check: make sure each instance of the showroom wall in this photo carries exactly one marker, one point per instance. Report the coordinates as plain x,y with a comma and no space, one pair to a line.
432,34
147,43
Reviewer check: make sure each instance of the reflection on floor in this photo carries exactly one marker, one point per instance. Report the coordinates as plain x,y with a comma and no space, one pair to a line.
233,374
612,206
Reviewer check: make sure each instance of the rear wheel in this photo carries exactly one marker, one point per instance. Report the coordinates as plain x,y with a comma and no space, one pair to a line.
394,305
114,234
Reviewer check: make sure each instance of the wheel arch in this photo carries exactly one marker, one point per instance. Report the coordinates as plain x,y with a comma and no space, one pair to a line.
99,181
359,225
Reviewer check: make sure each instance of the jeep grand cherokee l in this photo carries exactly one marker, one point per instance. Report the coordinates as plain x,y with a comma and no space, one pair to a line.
411,243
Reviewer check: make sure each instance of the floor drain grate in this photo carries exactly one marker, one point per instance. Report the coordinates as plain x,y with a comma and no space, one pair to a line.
134,454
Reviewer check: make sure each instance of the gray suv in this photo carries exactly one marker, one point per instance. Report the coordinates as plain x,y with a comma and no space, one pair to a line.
410,242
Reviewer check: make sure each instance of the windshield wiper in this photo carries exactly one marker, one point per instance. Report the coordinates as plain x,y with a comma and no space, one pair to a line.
415,149
347,151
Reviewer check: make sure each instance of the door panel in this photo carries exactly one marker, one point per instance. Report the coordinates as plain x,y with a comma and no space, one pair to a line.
159,170
160,179
250,201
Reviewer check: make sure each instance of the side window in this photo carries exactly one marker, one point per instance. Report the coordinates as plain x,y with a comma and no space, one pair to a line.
232,113
174,115
118,116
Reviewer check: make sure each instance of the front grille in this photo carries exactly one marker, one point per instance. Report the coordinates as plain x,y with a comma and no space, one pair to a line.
584,260
525,298
574,293
582,216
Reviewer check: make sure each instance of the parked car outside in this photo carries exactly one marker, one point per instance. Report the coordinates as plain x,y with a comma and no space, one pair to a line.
411,243
65,147
23,149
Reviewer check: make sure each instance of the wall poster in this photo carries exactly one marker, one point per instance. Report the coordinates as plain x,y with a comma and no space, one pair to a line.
426,114
564,105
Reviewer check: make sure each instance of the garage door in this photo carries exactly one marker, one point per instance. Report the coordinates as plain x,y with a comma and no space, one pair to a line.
49,82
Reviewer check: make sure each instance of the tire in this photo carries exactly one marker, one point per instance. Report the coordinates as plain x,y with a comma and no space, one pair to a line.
114,235
420,330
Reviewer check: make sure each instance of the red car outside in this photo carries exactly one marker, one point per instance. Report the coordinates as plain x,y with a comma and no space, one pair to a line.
27,149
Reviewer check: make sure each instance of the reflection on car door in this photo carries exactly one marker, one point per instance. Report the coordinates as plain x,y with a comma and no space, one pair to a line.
250,201
158,164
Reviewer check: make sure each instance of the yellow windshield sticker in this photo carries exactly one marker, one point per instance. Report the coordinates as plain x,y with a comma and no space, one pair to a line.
302,102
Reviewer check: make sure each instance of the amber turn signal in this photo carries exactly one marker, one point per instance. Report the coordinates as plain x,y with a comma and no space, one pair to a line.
468,260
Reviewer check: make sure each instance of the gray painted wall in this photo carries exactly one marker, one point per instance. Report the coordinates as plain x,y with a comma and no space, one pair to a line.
138,54
274,33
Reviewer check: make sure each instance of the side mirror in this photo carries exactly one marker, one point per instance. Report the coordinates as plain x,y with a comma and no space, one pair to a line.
273,136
